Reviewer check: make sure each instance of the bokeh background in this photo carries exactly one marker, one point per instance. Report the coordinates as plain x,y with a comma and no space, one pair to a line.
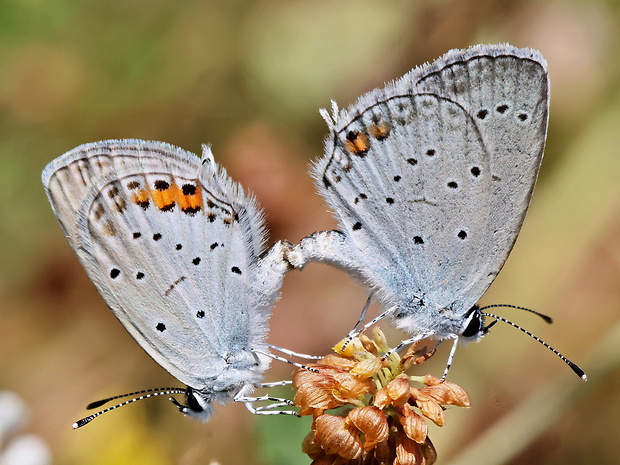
248,77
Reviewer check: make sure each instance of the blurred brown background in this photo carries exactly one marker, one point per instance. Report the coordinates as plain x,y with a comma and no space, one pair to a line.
248,77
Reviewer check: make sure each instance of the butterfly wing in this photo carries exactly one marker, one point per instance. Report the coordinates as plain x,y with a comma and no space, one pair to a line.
172,245
430,179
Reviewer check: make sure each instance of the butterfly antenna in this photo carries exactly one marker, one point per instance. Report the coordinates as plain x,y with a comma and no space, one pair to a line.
151,393
99,403
547,318
573,366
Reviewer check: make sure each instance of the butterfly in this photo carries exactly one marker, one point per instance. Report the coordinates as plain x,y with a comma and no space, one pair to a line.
430,179
177,251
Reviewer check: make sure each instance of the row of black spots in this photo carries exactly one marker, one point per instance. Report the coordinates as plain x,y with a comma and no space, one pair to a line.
501,109
227,220
362,196
431,152
115,273
462,235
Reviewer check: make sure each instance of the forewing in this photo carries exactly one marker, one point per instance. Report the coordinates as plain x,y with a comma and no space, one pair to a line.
172,245
403,195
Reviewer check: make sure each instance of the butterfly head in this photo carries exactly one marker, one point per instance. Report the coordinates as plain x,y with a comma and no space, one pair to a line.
197,405
474,328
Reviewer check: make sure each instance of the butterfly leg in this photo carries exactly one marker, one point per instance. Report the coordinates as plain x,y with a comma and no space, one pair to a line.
295,354
284,382
406,342
263,411
267,409
356,332
282,359
455,343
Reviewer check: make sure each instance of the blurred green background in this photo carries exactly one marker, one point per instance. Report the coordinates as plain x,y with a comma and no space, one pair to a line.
249,77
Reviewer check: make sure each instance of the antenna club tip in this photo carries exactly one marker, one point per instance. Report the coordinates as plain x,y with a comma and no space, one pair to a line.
584,377
80,423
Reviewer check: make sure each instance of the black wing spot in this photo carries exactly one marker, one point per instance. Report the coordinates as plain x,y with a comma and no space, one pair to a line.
132,185
188,189
196,261
522,116
114,272
191,211
200,314
482,114
396,178
178,246
156,236
453,185
389,200
475,171
357,226
137,235
430,152
502,109
462,235
139,275
211,217
214,246
412,161
161,185
235,269
160,327
418,240
168,207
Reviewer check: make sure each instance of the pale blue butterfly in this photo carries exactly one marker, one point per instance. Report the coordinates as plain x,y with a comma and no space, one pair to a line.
177,251
430,179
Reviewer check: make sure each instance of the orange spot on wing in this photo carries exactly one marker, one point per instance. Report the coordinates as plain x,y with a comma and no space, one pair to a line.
357,142
379,131
190,202
140,197
164,199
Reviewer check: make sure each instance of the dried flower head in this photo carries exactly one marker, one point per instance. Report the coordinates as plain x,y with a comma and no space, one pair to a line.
380,414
